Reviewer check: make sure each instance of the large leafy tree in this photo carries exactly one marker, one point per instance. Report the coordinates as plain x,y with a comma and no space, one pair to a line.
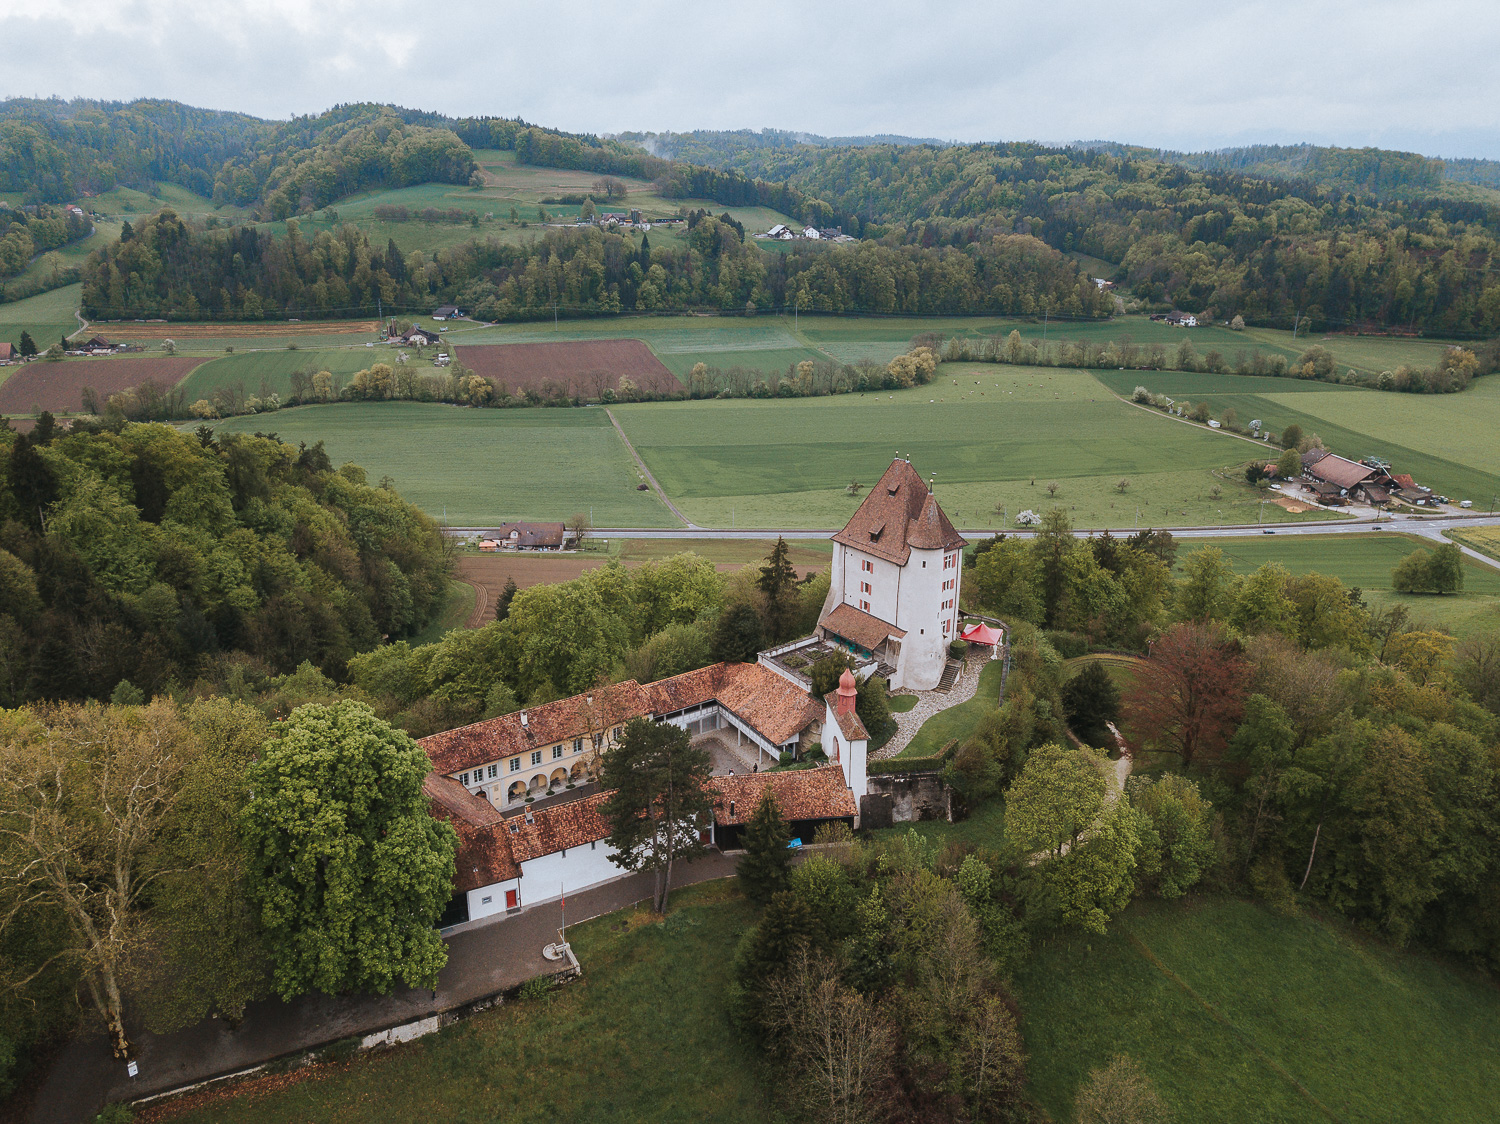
112,819
1192,690
1058,796
660,802
349,869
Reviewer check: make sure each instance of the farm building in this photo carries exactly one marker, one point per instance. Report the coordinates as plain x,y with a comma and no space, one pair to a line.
894,590
1182,319
517,761
527,536
1333,469
8,352
447,312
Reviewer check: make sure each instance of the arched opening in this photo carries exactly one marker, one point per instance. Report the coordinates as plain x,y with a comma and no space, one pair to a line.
579,773
558,779
538,784
517,791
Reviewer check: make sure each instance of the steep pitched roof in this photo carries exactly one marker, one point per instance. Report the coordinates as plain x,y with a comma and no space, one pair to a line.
806,794
853,729
506,736
1337,470
458,802
557,828
897,514
864,629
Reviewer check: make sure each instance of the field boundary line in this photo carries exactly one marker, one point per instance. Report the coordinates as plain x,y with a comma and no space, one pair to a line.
650,479
481,602
1228,1024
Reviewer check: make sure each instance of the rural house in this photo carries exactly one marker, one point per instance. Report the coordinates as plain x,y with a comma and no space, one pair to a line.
894,587
528,536
8,352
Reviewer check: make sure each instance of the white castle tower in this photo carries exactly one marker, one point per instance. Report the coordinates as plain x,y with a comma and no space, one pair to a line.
895,580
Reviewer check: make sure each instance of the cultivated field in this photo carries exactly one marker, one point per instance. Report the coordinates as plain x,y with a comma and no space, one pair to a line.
480,466
994,435
1238,1014
1486,540
186,334
1445,441
47,316
59,386
582,367
270,372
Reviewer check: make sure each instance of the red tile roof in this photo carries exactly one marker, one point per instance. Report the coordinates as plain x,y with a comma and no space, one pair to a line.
506,736
773,707
805,794
899,513
459,802
557,828
853,729
864,629
1403,480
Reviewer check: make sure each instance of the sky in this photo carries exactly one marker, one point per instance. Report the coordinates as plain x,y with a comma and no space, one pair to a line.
1417,75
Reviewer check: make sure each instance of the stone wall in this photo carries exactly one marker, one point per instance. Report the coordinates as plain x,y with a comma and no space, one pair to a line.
904,798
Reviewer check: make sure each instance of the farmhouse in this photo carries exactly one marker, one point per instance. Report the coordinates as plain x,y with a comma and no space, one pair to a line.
528,536
1337,470
506,765
8,352
894,588
1182,319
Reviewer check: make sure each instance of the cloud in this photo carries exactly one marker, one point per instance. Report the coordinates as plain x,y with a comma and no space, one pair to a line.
1351,72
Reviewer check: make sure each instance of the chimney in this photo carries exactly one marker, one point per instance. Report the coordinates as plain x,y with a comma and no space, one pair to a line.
731,809
847,692
529,817
523,719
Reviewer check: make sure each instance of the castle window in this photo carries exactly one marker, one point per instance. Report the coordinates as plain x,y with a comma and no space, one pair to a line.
867,566
494,771
865,605
557,751
515,764
536,757
864,587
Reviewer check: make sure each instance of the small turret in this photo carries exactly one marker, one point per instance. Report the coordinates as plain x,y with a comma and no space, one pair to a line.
848,692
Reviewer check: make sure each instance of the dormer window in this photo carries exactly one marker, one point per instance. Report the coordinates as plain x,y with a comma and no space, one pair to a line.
876,532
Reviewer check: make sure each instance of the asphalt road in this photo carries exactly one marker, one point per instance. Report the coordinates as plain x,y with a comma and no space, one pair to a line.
1426,526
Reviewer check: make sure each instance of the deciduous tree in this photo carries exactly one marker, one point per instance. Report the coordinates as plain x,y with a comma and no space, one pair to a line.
349,869
1191,691
1055,799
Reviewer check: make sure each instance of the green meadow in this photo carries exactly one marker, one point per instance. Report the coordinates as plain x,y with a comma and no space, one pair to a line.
1238,1014
479,466
995,436
269,372
1366,561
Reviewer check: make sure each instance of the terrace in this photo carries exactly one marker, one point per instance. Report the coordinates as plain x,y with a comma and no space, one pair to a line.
793,661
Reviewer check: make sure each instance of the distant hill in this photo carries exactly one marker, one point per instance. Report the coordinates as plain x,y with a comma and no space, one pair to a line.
738,148
1383,173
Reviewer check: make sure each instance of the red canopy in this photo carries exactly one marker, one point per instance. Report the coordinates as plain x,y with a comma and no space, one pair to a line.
980,634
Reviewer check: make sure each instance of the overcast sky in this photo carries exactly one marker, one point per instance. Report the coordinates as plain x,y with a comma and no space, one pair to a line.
1414,74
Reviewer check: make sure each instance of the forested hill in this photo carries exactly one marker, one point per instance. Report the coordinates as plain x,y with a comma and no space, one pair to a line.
53,151
1217,241
744,149
142,554
1368,171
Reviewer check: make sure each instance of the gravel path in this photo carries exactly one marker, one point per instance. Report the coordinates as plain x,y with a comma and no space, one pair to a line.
928,704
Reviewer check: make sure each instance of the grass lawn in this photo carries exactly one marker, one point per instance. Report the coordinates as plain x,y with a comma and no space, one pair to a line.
482,466
900,704
642,1038
993,435
1238,1014
457,606
957,721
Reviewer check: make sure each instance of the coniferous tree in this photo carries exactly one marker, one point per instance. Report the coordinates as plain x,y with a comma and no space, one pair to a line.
1090,699
777,579
27,346
767,863
737,635
507,595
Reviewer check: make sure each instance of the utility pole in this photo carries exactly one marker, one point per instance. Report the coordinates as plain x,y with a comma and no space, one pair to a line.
796,311
1295,323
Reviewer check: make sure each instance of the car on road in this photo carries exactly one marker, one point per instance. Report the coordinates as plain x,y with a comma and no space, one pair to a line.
1268,531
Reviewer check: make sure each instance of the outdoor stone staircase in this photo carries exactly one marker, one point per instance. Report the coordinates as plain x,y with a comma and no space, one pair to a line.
951,672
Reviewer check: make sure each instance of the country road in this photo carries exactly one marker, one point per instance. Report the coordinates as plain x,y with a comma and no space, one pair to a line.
1430,528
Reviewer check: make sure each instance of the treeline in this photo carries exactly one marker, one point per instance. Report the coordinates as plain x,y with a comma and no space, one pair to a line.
168,269
1351,753
28,232
1454,371
1217,241
134,557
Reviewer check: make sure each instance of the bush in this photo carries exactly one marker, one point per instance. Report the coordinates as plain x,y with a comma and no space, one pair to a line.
1069,645
537,988
958,649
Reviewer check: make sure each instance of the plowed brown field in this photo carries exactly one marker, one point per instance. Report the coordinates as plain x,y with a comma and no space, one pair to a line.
59,386
583,367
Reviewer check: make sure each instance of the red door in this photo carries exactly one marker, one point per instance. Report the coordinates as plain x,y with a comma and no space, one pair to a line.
510,899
